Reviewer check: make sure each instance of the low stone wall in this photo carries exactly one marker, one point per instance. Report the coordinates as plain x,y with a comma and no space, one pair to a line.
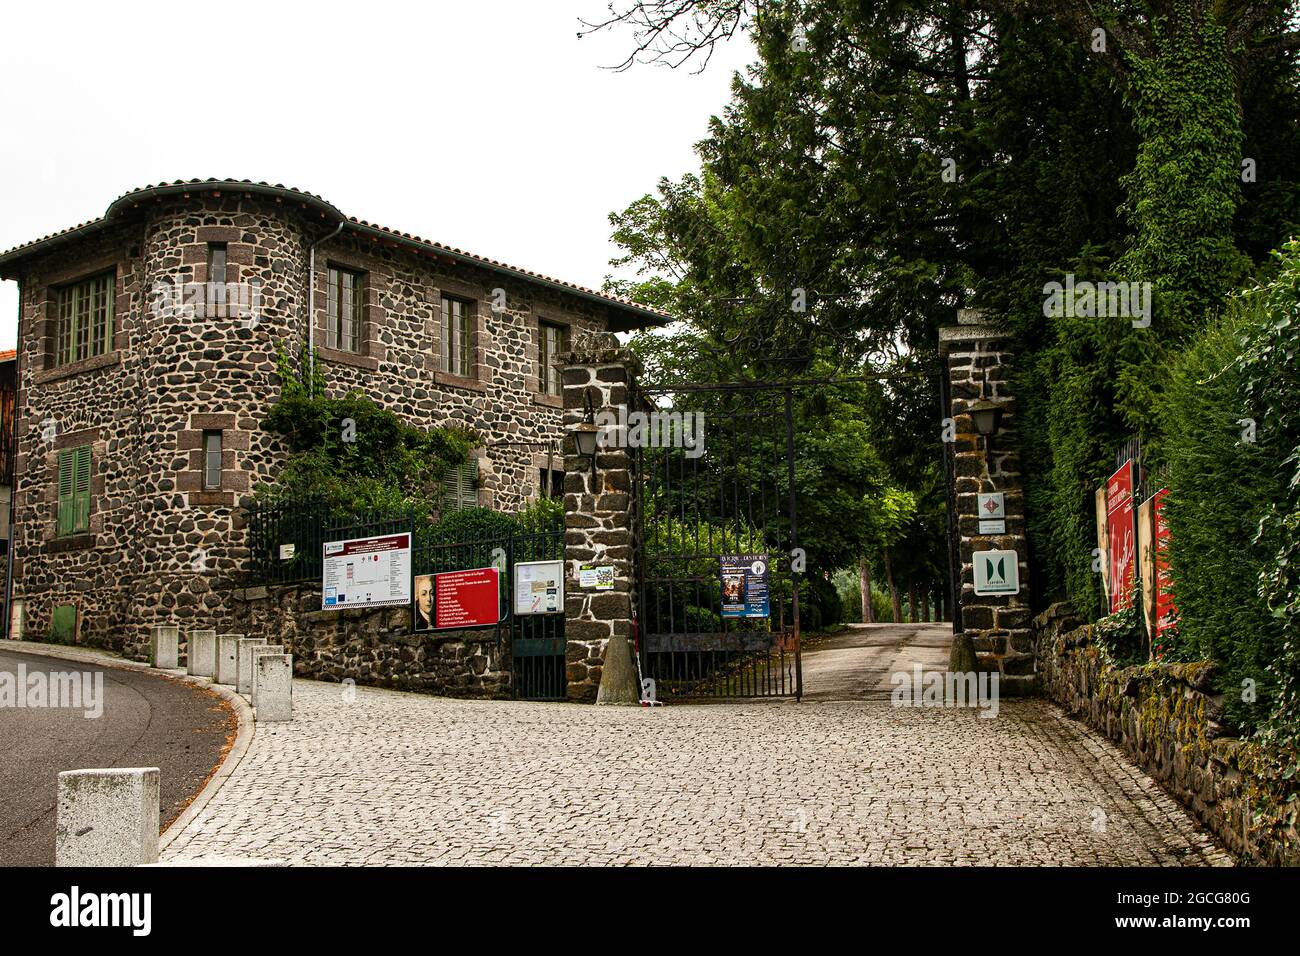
1166,717
373,647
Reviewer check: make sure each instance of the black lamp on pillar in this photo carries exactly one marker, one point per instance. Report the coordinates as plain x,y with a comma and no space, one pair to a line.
586,433
986,416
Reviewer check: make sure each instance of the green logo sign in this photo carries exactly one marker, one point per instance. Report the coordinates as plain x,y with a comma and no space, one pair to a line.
996,572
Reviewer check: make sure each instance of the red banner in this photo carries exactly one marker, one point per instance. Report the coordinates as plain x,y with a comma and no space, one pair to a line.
466,598
1166,613
1122,537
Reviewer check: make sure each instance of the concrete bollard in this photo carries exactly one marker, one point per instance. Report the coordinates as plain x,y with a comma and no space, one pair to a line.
274,688
228,658
201,657
166,645
107,817
244,674
259,652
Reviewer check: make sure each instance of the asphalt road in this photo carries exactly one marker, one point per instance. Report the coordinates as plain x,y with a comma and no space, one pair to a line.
148,720
857,664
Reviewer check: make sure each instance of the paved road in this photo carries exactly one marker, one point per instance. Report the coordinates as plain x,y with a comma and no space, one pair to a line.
857,664
148,720
379,777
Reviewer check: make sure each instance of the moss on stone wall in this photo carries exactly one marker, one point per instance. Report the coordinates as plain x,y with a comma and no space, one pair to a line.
1168,718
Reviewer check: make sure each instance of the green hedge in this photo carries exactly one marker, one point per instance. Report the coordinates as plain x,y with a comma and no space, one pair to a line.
1221,485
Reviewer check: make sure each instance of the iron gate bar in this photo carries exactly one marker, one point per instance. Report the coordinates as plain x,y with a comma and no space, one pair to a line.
691,512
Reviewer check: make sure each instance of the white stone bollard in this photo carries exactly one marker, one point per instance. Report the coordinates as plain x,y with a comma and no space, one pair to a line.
274,688
228,658
166,644
201,656
244,674
259,652
107,817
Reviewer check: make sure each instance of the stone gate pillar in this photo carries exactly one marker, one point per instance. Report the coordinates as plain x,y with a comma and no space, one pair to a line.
598,526
978,360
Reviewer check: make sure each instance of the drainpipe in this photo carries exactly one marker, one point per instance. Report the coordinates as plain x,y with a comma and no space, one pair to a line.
13,474
311,299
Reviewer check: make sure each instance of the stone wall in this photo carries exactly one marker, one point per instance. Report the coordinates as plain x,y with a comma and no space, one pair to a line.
1166,717
375,647
160,548
598,513
979,359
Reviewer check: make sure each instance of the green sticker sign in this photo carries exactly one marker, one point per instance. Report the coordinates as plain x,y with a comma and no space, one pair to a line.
996,572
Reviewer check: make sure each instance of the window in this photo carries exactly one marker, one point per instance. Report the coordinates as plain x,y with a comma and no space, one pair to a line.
211,461
74,491
217,262
551,482
552,340
343,310
457,336
459,492
85,319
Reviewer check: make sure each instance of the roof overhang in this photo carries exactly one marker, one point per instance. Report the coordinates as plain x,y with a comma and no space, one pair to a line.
621,314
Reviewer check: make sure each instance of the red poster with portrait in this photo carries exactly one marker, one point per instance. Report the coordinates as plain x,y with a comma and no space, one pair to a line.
1121,531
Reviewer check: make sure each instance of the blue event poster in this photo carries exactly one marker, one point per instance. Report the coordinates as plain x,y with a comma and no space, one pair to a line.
744,585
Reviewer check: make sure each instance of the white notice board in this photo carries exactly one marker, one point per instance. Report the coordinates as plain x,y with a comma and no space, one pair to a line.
539,587
367,572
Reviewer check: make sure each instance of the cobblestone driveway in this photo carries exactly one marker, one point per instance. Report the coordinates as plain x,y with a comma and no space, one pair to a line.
393,778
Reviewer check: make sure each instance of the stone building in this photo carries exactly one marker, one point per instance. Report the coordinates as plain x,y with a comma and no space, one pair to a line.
8,387
147,357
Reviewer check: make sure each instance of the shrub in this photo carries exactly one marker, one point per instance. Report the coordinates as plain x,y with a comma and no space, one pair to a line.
1220,486
380,464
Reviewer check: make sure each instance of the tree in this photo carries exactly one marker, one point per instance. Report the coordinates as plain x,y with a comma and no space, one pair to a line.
898,160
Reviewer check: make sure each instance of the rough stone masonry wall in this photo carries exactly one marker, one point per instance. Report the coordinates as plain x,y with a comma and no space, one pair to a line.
1166,717
375,647
400,360
979,362
598,515
161,550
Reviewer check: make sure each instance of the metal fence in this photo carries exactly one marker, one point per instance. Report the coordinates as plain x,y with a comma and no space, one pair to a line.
286,544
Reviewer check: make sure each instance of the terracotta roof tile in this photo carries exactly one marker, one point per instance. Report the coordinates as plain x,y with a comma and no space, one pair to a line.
135,197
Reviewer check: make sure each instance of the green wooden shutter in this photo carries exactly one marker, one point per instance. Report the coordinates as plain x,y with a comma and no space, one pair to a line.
460,489
82,489
66,501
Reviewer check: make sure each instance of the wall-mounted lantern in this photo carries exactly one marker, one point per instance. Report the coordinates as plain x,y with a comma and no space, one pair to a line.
586,433
986,416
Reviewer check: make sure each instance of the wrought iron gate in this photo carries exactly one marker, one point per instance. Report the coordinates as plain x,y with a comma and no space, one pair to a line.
729,493
537,641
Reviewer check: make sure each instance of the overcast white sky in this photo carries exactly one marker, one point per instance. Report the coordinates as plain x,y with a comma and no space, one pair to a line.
485,125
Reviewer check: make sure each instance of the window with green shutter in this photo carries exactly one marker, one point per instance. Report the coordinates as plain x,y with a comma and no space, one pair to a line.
74,490
459,492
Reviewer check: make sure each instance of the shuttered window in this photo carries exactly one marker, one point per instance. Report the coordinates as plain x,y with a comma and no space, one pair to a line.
85,319
74,490
459,492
